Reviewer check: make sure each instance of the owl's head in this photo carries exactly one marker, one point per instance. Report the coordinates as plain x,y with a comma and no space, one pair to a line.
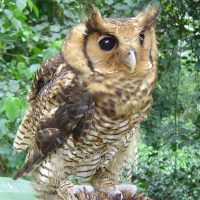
109,45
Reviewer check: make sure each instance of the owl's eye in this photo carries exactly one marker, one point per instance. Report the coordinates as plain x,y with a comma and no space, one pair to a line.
107,43
141,36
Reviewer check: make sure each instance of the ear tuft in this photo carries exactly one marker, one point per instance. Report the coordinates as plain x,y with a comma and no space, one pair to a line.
94,19
149,16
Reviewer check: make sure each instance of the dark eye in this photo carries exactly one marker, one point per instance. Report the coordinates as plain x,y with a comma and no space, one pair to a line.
107,43
141,36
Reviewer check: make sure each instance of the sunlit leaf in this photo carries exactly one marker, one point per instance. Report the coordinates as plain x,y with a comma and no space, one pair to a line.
5,149
11,108
21,66
16,23
36,11
13,85
21,4
55,28
56,44
3,127
33,68
8,13
49,53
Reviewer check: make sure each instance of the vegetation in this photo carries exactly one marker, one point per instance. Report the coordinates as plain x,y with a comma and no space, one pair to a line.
32,31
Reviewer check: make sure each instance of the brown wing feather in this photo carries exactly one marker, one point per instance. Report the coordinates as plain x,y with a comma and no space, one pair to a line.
52,132
83,126
43,75
56,110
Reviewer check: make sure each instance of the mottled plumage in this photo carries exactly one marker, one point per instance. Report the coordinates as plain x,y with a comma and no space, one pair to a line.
85,105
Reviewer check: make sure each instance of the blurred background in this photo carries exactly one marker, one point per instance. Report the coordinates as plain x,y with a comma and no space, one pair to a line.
31,31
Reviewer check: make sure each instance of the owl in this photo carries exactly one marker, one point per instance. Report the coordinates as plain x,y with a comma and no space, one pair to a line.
85,105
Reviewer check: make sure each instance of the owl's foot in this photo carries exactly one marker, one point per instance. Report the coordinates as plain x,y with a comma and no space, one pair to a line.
119,192
75,192
127,190
110,193
84,192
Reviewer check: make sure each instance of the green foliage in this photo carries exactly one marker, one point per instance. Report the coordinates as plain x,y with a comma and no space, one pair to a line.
31,31
168,174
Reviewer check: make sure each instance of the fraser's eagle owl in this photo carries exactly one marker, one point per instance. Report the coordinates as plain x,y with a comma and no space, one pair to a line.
85,105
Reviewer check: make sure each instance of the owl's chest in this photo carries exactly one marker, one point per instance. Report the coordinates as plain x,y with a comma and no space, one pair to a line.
107,129
120,97
121,107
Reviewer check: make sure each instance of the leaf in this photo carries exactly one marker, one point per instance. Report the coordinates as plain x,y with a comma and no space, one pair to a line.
68,13
2,105
21,4
27,74
16,23
33,68
36,50
109,2
13,85
11,109
36,11
3,127
197,52
9,13
49,53
198,121
30,4
56,45
41,26
197,66
33,7
15,190
21,67
5,150
55,28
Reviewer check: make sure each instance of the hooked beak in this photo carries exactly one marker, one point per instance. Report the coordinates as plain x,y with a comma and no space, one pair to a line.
130,61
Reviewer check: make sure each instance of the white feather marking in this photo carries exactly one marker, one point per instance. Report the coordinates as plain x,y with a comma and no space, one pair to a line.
85,174
124,123
77,188
86,168
122,129
112,137
44,179
45,172
135,116
52,111
107,125
48,165
67,82
94,133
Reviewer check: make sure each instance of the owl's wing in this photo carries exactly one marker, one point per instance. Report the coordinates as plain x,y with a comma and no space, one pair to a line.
52,131
61,107
42,76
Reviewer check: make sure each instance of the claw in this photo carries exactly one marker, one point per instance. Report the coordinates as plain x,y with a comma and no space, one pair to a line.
127,188
76,192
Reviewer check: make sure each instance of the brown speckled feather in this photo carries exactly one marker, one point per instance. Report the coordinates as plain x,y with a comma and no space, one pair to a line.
66,103
43,75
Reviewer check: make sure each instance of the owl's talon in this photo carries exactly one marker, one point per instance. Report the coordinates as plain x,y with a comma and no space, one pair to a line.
74,192
127,188
113,192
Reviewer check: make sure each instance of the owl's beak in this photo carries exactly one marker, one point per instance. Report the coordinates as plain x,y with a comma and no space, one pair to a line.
130,60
